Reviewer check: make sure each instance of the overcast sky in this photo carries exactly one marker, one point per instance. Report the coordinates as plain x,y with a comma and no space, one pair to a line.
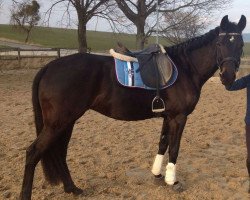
238,8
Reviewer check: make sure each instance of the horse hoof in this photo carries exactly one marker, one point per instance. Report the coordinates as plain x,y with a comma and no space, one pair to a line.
159,180
177,187
74,190
77,191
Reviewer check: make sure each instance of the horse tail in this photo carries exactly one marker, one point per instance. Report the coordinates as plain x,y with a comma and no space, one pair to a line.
35,100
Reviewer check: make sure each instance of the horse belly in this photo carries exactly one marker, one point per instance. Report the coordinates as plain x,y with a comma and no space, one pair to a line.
123,107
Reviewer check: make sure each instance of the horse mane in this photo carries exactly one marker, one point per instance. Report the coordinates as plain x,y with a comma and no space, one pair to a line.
193,43
200,41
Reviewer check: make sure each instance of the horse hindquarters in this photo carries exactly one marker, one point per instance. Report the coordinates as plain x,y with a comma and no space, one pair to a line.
54,127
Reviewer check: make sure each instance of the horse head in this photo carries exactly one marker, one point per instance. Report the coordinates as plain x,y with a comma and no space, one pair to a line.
230,48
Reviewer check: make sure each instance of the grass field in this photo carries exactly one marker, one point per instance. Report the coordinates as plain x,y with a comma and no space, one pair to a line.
67,38
247,49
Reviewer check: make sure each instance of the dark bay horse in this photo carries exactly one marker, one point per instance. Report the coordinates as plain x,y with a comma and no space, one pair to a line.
67,87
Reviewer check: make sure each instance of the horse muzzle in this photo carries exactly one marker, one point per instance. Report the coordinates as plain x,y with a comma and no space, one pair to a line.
227,78
228,73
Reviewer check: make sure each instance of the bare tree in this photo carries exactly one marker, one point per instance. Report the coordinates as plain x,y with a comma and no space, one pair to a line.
180,26
142,13
85,9
25,15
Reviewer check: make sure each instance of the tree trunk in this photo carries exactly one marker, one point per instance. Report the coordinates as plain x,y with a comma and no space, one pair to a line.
27,35
82,32
82,37
140,35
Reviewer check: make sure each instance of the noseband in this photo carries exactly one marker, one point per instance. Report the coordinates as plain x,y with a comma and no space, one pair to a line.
228,59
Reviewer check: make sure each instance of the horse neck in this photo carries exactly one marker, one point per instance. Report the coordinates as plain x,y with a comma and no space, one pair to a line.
203,63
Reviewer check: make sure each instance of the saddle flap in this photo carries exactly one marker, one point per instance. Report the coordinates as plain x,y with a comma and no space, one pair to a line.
153,67
165,68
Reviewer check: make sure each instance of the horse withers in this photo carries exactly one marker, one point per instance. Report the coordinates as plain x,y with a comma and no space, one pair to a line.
66,88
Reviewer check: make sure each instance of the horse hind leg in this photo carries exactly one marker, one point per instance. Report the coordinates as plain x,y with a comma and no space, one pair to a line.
51,147
33,156
55,165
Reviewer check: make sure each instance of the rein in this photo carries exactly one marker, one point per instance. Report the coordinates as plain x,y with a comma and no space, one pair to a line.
228,59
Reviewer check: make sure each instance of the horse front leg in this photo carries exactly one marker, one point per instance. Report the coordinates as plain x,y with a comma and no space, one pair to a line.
163,146
176,128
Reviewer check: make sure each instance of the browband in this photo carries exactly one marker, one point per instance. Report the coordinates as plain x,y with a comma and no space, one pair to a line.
231,34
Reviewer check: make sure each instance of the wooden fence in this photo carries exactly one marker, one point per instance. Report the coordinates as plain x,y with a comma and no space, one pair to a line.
19,54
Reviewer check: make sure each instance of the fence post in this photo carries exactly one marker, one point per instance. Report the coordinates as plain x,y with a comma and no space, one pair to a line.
58,53
19,57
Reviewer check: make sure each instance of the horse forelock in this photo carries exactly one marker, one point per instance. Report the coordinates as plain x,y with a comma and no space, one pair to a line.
231,27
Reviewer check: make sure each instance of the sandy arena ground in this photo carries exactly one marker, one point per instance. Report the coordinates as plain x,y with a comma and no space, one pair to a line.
112,159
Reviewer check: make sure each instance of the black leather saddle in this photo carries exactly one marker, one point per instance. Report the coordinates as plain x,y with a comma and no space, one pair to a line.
155,66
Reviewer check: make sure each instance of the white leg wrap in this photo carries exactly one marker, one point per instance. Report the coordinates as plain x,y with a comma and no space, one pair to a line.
170,177
156,169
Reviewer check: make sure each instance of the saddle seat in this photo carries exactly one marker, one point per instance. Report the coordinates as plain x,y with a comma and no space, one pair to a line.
152,49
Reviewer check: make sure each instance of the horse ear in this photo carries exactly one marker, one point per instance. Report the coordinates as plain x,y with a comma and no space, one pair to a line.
224,22
242,23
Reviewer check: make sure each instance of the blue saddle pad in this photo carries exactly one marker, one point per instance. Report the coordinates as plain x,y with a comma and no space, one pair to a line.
127,75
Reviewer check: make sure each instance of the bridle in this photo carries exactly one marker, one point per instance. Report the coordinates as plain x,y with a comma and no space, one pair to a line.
236,61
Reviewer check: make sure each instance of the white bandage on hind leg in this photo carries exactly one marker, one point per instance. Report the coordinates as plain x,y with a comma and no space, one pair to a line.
156,169
170,177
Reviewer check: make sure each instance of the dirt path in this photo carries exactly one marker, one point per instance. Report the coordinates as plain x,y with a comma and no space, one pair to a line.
15,44
112,159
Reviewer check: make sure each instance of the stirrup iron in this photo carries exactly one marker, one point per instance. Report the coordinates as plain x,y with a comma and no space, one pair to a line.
158,105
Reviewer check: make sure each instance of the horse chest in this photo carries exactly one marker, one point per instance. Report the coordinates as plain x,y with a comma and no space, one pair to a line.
190,101
183,101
